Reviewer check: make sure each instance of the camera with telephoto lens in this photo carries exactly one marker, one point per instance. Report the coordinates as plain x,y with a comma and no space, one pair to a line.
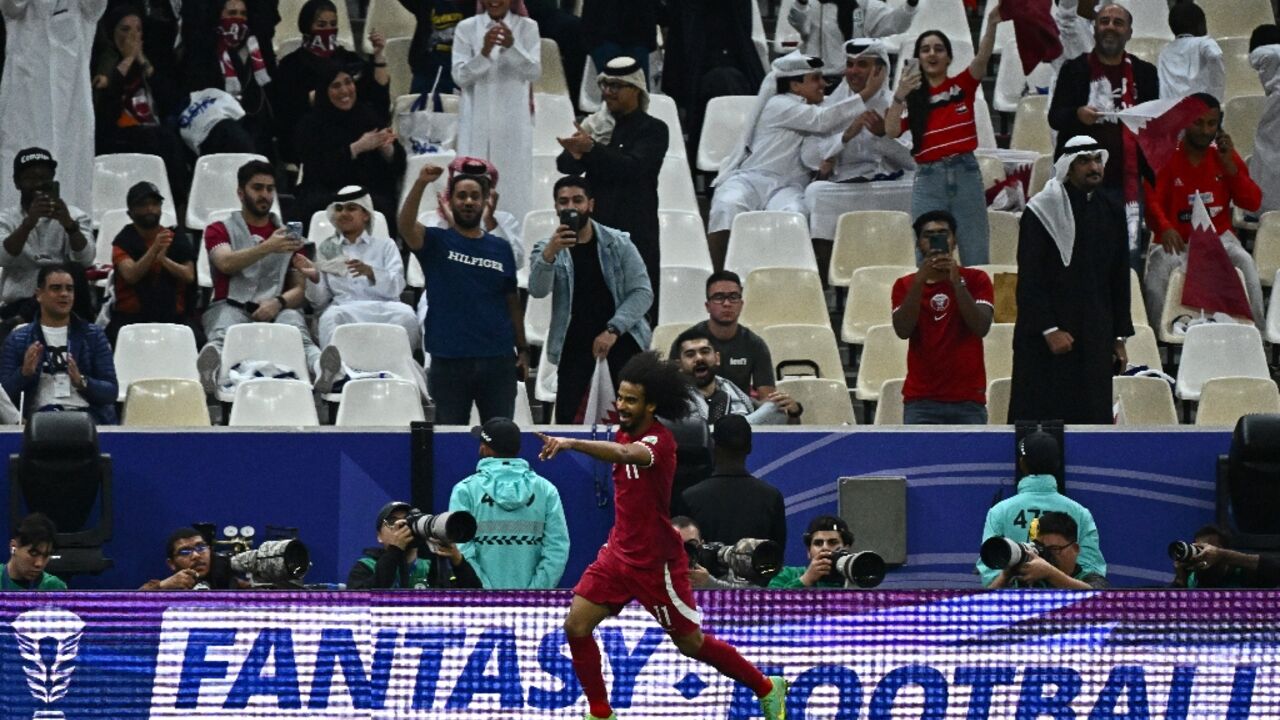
750,559
1182,552
864,569
274,563
1000,553
449,527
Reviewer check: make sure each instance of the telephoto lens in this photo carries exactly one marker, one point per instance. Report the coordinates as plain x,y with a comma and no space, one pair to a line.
1001,552
451,527
864,569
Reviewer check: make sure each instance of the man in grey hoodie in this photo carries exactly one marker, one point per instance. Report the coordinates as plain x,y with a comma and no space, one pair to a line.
522,539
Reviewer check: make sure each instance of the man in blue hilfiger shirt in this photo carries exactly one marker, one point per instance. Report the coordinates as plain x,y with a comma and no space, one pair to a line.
474,329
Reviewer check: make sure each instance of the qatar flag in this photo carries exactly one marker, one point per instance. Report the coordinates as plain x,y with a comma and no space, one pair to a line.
1212,282
1035,30
1159,124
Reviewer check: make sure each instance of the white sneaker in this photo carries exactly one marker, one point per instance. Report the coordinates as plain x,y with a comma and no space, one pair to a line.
330,369
208,364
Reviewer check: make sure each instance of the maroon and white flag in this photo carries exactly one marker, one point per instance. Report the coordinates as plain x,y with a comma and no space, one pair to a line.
1159,124
1212,282
1035,30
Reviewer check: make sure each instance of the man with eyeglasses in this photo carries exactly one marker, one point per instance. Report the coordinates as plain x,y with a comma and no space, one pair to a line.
944,311
188,555
825,535
744,355
620,150
1055,564
1025,518
59,361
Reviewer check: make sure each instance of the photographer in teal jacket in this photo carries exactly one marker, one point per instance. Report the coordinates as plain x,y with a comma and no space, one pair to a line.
1038,494
522,539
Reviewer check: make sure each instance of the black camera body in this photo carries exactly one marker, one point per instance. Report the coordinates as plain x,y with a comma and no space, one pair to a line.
1181,551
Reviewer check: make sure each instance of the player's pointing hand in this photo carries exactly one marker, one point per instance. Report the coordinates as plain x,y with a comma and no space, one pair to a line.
553,445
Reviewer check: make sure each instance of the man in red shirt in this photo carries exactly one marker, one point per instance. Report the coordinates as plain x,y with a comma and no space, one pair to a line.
944,310
644,558
1205,162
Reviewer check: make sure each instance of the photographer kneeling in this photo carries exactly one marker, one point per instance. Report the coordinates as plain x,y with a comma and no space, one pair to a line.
828,538
396,564
1050,562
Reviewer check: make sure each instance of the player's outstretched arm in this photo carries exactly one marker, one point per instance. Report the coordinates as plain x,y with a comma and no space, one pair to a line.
612,452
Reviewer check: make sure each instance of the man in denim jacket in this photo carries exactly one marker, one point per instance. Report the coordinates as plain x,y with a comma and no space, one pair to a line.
58,361
600,294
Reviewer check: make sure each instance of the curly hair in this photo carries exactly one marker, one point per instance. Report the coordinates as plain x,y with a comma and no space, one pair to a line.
664,385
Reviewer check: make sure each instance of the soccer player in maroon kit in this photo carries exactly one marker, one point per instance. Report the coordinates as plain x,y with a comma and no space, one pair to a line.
644,558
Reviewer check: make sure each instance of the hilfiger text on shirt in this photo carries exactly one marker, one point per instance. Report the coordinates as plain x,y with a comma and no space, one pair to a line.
466,259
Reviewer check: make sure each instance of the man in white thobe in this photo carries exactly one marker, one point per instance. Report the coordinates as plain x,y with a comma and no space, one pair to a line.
497,55
860,153
764,172
825,25
1264,165
45,98
356,277
1192,63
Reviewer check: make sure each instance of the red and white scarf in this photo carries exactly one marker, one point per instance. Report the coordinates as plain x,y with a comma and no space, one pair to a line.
137,102
231,35
321,44
1128,98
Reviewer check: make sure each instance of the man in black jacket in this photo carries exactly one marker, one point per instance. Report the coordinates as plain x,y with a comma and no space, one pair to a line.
733,504
1090,89
396,564
620,149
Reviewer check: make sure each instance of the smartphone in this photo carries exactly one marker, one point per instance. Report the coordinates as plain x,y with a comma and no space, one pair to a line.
571,219
939,244
913,64
308,250
53,189
294,229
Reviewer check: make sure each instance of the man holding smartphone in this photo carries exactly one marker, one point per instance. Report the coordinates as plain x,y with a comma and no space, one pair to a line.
42,230
1205,162
600,293
250,257
944,310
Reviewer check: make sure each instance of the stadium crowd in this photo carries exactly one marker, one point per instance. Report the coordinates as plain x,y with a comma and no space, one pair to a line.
337,190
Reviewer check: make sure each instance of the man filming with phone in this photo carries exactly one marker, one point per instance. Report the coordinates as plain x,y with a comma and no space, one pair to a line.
944,310
600,293
42,230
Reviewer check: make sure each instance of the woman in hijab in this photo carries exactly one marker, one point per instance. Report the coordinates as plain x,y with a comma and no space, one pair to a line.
133,105
233,59
303,68
344,141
